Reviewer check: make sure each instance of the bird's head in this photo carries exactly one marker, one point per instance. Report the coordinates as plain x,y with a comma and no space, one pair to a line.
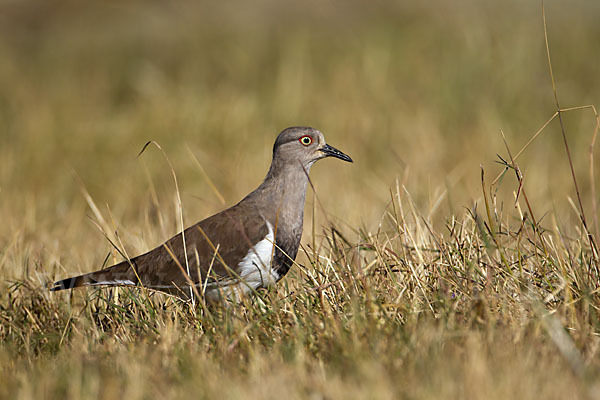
304,145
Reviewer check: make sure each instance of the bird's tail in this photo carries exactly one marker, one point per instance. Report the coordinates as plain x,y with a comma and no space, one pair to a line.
121,274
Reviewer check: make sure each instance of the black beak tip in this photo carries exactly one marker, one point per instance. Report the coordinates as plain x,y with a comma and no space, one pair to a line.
331,151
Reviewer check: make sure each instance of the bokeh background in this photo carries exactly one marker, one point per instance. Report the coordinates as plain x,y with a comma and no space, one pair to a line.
415,92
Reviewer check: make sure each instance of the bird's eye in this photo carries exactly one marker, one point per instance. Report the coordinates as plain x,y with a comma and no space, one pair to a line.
306,140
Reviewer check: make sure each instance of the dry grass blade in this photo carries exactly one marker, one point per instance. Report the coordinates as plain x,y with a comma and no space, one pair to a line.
207,178
180,208
564,136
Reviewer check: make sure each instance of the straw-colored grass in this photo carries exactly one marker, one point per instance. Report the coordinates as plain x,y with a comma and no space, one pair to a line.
420,276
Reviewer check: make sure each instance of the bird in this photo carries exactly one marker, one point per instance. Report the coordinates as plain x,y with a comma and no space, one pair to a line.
248,246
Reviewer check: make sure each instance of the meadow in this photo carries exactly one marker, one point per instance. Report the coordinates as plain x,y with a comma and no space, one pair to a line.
443,263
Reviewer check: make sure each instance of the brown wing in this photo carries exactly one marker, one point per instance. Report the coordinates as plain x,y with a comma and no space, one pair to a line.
231,233
217,243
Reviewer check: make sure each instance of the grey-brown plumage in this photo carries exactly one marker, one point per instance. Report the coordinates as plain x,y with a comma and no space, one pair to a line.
247,246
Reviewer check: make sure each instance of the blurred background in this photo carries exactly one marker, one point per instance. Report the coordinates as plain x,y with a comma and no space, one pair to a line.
416,92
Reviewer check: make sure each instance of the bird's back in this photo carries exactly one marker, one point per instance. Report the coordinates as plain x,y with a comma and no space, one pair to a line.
222,256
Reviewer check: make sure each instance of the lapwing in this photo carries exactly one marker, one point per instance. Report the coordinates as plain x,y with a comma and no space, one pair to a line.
248,246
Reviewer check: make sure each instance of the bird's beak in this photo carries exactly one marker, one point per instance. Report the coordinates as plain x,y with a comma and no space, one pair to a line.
331,151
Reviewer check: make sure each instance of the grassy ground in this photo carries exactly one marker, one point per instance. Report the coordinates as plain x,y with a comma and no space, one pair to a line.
415,279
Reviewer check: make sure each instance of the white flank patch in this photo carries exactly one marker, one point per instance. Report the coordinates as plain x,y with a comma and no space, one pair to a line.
255,269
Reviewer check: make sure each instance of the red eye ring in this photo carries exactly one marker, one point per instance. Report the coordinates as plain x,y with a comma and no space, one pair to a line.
306,140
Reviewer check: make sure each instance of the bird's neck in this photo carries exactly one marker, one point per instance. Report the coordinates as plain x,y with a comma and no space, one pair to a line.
282,196
280,200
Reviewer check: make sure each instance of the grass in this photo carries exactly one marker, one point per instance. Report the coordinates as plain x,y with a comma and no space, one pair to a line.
420,274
